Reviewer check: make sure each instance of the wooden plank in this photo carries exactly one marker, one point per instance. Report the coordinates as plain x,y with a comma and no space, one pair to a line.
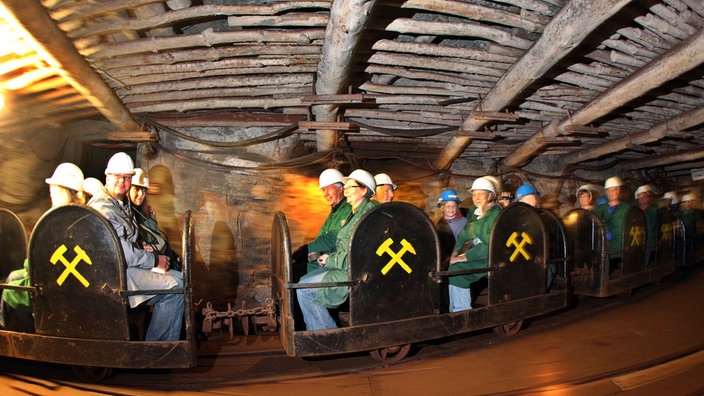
328,125
138,136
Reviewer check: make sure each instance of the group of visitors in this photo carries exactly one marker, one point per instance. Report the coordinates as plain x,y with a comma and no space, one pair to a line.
122,200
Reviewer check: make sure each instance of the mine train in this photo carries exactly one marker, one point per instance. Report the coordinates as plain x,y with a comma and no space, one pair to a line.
397,283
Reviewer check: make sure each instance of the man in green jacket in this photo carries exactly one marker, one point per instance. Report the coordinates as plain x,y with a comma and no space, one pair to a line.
331,185
314,302
645,198
613,214
471,250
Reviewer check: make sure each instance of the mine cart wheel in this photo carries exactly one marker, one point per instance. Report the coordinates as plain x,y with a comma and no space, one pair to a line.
509,329
92,374
626,293
392,354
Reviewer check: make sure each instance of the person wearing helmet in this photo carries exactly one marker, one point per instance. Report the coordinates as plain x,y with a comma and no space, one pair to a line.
331,185
65,187
113,203
384,188
587,196
527,194
451,223
90,186
145,216
671,200
359,188
690,215
613,214
472,247
644,197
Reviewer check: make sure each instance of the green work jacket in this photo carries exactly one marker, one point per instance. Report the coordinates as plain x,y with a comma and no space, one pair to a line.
336,263
478,255
325,241
614,221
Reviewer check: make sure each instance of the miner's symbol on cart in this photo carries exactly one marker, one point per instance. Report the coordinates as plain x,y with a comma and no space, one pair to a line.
70,267
396,257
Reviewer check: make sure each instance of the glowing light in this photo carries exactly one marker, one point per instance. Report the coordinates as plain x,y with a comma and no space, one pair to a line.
27,79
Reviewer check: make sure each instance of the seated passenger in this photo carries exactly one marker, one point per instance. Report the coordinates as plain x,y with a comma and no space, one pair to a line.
471,250
16,309
331,185
613,214
314,302
451,223
90,186
384,188
149,231
587,196
506,198
113,203
644,197
690,215
527,194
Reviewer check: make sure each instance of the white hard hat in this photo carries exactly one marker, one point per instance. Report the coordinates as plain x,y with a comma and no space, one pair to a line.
365,178
644,188
91,185
613,182
140,178
383,178
588,188
120,164
495,182
328,177
67,175
688,197
483,184
672,196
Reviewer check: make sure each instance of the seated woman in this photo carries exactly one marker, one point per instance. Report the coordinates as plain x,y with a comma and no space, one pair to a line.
359,188
65,187
472,248
451,223
149,231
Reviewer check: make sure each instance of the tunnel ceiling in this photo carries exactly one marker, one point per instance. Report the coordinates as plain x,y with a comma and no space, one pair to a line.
428,81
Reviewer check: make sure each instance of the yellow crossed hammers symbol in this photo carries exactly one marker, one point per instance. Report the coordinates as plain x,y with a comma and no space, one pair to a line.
395,257
519,245
666,231
637,235
70,267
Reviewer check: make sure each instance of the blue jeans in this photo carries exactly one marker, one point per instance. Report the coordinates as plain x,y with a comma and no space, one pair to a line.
316,316
460,299
165,324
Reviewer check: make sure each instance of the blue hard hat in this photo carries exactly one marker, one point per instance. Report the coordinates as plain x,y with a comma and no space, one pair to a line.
601,201
524,190
448,195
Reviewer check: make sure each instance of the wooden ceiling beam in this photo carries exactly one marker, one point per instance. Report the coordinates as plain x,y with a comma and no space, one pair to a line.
59,52
342,36
576,20
654,134
682,58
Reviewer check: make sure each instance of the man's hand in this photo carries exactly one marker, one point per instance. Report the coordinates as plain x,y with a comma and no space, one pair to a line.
164,263
321,260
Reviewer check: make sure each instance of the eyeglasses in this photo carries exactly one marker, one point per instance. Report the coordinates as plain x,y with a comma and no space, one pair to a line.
506,198
121,177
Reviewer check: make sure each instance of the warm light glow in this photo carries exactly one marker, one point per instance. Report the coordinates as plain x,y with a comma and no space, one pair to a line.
2,100
27,79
